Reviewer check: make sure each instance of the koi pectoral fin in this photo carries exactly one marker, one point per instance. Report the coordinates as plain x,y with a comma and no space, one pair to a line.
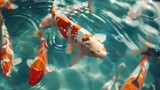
77,58
49,68
119,69
17,61
100,37
69,49
12,6
29,62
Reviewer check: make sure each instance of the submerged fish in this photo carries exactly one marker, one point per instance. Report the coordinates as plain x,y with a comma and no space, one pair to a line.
79,38
7,4
38,67
137,78
108,85
48,21
7,53
137,9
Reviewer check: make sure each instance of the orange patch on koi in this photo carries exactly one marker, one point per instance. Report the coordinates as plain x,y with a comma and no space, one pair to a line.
74,30
87,37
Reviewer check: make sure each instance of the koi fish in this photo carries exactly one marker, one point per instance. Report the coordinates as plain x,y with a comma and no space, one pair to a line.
7,53
108,85
48,21
38,67
137,9
80,38
7,4
136,79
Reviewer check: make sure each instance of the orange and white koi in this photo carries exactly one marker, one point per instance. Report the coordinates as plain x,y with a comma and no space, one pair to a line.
7,53
48,21
79,38
7,4
108,85
137,78
38,67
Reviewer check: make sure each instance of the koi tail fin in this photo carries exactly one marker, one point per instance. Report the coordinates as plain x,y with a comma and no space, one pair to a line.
38,33
47,22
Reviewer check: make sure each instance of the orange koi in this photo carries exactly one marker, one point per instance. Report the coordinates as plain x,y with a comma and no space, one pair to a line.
7,53
137,78
38,67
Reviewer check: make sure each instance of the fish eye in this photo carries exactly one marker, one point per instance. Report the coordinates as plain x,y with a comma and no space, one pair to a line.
92,52
86,44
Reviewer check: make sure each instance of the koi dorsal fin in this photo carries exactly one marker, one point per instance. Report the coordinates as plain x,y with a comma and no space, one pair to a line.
135,82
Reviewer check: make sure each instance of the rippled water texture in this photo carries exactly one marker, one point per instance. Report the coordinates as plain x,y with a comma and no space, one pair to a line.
108,17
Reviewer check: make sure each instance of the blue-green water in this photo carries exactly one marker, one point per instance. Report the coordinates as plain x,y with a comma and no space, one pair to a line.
90,73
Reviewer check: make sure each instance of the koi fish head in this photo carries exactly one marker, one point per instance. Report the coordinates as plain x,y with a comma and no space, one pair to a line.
6,66
35,76
95,48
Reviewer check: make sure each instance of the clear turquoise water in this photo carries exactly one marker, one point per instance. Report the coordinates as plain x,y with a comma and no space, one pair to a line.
90,73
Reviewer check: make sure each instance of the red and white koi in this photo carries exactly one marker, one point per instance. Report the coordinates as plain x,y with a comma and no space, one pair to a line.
108,85
137,78
7,53
38,67
7,4
48,21
79,38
